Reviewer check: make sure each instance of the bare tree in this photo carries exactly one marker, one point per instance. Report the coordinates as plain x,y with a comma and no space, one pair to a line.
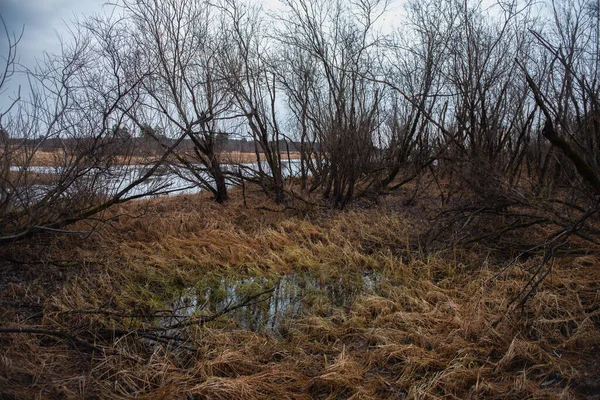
8,152
568,94
181,41
414,63
249,69
339,40
78,104
567,91
301,83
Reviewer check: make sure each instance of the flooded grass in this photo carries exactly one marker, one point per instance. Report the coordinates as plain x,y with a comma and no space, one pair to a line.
291,296
355,311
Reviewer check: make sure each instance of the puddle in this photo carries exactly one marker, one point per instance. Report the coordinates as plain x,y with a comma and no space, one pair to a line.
292,295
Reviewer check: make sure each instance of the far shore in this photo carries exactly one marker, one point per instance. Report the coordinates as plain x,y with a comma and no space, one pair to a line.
45,158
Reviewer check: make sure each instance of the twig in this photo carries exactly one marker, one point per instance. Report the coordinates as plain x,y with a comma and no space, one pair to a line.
60,334
247,302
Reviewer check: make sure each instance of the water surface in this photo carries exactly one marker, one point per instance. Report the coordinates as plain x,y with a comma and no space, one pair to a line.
292,295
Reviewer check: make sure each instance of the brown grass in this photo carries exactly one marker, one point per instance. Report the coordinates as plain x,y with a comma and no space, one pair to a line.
46,158
433,331
232,157
39,158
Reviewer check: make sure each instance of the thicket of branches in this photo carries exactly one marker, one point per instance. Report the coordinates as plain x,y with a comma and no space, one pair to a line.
496,105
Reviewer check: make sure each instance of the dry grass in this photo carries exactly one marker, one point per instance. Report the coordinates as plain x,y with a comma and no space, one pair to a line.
39,158
47,158
233,157
432,331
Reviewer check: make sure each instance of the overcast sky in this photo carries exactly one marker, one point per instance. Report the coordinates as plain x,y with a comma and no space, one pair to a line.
43,21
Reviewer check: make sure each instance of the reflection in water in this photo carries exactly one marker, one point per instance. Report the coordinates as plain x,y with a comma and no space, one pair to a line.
292,295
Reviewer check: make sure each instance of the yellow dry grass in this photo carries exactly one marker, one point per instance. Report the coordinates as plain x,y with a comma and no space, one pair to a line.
234,157
432,331
49,158
39,158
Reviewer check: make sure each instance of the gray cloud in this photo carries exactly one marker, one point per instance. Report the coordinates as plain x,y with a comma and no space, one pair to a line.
13,13
42,22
